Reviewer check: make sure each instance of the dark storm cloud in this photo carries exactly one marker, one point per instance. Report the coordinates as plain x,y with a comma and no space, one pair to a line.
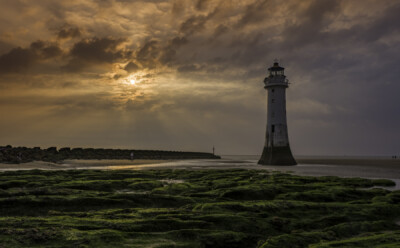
148,54
319,9
96,51
220,30
45,50
68,32
5,47
202,4
193,24
131,67
386,24
335,50
153,52
16,60
21,59
176,42
170,50
255,13
310,24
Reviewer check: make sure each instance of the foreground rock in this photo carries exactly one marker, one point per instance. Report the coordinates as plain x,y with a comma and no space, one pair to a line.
202,208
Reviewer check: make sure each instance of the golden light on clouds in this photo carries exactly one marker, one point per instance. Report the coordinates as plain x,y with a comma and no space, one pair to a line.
134,79
184,72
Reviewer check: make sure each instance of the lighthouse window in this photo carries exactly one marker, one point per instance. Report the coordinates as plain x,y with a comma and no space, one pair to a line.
273,128
273,90
273,100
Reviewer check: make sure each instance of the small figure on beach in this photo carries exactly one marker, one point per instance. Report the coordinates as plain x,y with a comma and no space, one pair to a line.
132,155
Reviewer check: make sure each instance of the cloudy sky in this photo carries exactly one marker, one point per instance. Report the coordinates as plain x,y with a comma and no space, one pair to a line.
187,75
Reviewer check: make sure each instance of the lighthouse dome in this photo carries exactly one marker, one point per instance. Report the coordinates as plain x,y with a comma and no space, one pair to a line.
276,67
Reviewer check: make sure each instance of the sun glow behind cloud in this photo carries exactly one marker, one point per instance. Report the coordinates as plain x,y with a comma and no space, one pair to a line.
197,68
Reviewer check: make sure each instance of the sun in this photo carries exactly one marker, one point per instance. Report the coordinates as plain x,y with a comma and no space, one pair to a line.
132,81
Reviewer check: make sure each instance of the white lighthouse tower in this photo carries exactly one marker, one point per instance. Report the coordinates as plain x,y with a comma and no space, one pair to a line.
276,149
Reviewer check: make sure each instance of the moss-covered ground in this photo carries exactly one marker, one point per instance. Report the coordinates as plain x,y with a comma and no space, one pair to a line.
194,208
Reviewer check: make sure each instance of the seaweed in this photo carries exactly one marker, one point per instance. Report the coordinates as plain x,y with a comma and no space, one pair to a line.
194,208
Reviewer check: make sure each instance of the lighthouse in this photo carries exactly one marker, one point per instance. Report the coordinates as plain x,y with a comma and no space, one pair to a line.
276,149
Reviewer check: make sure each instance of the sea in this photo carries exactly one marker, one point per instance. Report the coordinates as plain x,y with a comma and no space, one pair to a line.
379,171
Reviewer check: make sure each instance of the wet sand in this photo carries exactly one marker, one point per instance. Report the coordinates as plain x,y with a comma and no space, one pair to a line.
340,167
351,161
343,167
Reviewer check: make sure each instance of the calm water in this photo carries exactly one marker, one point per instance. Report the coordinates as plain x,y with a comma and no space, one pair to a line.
250,162
382,170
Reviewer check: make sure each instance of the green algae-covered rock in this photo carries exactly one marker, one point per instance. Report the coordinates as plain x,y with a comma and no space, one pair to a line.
187,208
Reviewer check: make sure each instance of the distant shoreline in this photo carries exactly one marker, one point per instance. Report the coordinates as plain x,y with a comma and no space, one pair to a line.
80,164
18,155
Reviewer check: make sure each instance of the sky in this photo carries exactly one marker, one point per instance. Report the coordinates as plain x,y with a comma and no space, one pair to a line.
188,75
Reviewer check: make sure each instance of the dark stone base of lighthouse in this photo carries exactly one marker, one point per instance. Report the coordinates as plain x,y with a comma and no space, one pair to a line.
277,156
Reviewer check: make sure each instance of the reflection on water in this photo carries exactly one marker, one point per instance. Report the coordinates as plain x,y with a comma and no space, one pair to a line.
383,170
250,162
